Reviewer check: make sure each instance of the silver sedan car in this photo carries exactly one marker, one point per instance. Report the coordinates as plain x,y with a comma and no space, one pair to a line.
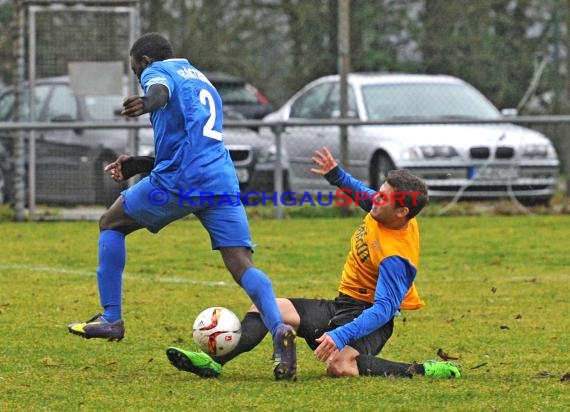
461,160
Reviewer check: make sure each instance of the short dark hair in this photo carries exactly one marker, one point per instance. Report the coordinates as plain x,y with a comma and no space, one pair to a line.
153,45
414,189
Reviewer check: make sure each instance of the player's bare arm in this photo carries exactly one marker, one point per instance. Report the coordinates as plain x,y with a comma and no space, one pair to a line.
324,160
154,99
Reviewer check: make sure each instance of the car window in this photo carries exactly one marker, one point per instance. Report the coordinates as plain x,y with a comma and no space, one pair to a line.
311,104
62,104
332,106
405,100
7,103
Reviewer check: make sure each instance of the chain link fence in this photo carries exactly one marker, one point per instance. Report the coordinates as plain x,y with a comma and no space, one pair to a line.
491,170
59,126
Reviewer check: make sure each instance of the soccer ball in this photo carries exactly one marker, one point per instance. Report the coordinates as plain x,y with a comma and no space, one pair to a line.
217,330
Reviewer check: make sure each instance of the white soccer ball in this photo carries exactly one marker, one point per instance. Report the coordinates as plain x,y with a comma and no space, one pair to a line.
217,330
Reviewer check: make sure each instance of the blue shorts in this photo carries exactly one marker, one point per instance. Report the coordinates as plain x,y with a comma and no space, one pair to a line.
223,216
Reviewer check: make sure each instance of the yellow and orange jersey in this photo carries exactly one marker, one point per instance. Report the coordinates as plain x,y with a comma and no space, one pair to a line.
369,246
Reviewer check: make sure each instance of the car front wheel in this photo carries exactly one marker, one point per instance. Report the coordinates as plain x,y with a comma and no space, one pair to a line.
380,166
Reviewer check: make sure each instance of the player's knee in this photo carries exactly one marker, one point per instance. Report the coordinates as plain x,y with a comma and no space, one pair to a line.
104,222
111,221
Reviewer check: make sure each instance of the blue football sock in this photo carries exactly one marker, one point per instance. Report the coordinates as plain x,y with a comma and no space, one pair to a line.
112,256
258,287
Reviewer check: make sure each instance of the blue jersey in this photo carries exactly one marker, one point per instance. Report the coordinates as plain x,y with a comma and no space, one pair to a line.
189,149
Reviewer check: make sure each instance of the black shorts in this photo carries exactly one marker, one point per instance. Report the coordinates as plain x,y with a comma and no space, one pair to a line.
319,316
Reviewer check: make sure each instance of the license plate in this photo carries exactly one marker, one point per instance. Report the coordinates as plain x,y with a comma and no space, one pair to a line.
242,175
494,173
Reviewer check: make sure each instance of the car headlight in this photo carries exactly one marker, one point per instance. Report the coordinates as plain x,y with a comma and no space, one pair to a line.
539,151
429,152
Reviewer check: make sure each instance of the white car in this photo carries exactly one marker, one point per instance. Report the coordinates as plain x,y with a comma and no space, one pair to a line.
477,161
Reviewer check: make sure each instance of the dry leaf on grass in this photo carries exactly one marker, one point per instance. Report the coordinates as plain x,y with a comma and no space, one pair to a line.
543,374
443,355
47,361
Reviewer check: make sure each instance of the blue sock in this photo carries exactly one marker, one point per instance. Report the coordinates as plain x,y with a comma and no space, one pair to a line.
112,256
258,287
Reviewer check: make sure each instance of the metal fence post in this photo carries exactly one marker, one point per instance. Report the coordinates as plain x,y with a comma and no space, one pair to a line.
567,167
343,70
278,175
31,112
19,144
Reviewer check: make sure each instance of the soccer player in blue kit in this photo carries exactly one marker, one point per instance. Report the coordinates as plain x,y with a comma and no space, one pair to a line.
190,157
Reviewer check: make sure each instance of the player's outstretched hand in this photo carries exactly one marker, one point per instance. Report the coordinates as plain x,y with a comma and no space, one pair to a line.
324,160
133,106
327,348
116,168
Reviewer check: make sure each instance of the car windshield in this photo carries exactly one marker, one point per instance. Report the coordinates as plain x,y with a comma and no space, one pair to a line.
235,93
426,100
103,107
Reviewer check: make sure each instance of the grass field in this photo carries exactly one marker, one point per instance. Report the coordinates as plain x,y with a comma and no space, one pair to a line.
497,289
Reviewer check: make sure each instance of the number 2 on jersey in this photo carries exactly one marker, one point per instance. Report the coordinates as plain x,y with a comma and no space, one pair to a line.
207,99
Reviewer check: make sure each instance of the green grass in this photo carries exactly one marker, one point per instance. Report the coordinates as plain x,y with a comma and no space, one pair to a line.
497,289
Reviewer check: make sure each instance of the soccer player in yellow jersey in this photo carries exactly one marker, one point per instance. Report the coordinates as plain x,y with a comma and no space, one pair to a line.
377,281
